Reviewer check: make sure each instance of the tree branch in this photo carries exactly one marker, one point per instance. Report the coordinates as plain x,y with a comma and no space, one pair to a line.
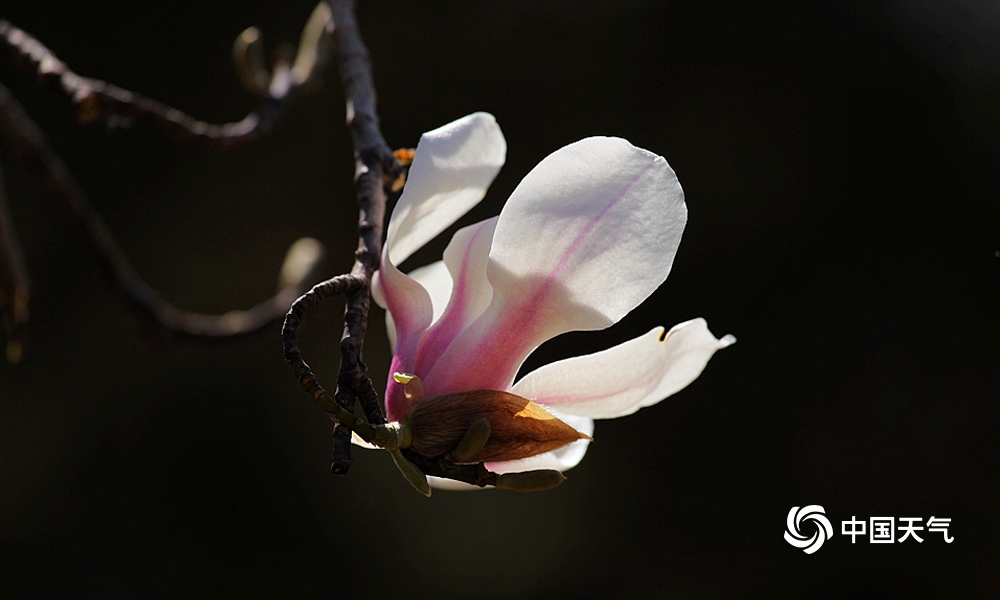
95,99
341,284
375,168
47,165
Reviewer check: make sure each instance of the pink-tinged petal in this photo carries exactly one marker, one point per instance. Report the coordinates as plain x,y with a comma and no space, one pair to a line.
560,459
465,258
588,235
434,278
410,306
621,380
451,170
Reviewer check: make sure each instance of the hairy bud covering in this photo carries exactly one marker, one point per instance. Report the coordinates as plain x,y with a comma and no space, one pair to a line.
519,428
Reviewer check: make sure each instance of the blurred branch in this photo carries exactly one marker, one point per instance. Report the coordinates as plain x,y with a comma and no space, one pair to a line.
39,156
14,283
95,99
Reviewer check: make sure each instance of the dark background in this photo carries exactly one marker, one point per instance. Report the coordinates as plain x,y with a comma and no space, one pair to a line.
840,166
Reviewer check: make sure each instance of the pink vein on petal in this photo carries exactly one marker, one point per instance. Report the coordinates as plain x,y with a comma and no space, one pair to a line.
455,318
506,333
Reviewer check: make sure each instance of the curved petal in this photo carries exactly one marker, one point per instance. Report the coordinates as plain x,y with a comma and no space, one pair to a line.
621,380
465,257
434,278
437,280
410,306
560,459
589,234
451,170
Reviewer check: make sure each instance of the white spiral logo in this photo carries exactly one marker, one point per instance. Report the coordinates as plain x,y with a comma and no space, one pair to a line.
794,534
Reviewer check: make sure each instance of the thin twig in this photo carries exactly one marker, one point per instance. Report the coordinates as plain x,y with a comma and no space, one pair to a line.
96,99
37,153
473,474
339,285
14,282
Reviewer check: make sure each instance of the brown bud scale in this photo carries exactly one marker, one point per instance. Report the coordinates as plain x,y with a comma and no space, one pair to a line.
519,427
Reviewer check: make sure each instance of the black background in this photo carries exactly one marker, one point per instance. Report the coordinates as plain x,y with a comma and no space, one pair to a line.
840,167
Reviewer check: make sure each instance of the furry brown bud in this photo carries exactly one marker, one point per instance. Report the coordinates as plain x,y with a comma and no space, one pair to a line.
518,428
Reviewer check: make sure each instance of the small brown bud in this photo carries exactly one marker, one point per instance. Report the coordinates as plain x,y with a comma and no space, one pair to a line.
518,428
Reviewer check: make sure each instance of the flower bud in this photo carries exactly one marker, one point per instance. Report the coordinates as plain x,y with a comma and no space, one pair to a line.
517,427
530,481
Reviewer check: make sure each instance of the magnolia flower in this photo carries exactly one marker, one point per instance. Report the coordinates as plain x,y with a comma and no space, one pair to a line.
588,235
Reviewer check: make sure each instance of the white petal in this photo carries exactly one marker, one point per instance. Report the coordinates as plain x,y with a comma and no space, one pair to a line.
589,234
360,443
560,459
621,380
437,281
601,220
451,170
440,483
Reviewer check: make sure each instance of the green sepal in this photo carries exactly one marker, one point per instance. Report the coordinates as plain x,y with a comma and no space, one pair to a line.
412,473
530,481
475,438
